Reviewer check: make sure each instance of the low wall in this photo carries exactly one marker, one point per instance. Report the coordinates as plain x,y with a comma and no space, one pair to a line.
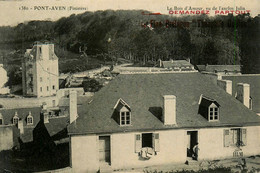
63,170
9,103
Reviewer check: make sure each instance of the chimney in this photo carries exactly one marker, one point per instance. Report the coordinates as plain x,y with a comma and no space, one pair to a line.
20,126
243,93
188,59
73,106
226,85
169,110
44,106
45,117
219,76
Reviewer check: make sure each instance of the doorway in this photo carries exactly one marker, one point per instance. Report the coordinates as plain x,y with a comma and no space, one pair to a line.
104,149
192,140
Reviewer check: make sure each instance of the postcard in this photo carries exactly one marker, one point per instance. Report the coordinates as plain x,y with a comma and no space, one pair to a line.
129,86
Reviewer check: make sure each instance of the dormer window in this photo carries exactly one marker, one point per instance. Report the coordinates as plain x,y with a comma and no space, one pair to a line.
30,119
15,119
209,108
122,113
213,113
125,118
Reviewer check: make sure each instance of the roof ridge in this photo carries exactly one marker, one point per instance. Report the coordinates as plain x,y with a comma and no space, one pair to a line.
159,72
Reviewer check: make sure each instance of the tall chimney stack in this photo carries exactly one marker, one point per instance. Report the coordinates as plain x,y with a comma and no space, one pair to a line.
243,93
226,85
169,110
73,106
20,126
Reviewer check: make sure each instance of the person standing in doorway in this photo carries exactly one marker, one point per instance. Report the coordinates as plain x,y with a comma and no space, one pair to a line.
195,150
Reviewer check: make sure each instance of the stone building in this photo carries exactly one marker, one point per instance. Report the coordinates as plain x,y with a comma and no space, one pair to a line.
147,119
40,71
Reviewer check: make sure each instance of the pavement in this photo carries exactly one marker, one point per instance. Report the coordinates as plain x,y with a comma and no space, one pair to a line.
236,165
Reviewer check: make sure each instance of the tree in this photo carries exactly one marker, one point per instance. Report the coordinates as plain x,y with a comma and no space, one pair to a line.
91,85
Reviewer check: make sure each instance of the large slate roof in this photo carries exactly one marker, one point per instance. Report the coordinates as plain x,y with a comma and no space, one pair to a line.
144,94
254,81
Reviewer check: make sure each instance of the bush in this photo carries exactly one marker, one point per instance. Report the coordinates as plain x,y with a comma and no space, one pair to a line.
91,85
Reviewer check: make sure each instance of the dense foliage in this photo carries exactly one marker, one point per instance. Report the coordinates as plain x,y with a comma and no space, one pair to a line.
110,35
91,85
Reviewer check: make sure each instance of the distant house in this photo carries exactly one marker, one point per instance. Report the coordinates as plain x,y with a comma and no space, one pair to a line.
139,120
176,65
3,80
31,125
221,69
40,71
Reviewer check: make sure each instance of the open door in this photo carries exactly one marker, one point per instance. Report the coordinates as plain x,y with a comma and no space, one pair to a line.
192,140
104,149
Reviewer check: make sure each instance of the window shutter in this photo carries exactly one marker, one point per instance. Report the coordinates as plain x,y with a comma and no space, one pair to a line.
138,143
243,136
156,142
226,138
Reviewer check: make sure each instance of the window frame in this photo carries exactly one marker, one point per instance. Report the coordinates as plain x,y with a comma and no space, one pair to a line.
155,142
15,119
28,122
213,113
239,140
125,118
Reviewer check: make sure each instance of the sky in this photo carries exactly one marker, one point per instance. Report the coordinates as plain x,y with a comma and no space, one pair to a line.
11,12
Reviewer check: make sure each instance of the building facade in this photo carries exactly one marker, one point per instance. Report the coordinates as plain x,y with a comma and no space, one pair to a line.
140,120
3,80
40,71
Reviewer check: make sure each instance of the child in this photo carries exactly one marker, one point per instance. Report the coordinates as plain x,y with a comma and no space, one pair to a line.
195,150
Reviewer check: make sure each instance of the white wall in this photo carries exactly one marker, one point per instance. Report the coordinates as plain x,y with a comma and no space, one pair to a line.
10,103
173,148
211,143
84,153
6,137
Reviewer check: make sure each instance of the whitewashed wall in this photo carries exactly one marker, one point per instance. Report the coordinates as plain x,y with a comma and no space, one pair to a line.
173,148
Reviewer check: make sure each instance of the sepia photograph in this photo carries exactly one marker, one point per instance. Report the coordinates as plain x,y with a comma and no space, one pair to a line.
138,86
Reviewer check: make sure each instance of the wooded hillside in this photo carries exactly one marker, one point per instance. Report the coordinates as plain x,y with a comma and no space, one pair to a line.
106,36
